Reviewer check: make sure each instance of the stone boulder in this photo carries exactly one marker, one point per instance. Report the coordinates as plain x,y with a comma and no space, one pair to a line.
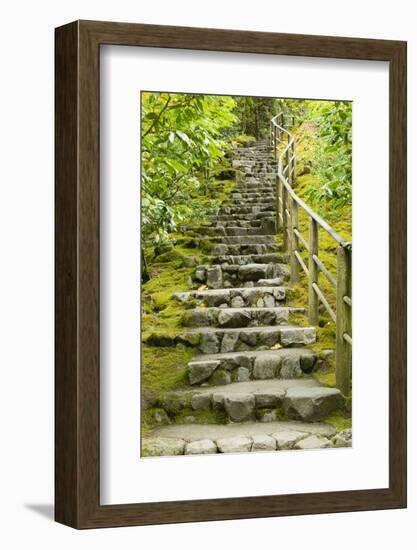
343,438
201,447
200,317
163,446
290,367
311,404
273,399
238,444
209,343
237,301
298,335
201,402
266,367
253,272
229,342
232,318
221,378
287,439
214,276
313,442
201,371
277,281
242,374
263,443
240,406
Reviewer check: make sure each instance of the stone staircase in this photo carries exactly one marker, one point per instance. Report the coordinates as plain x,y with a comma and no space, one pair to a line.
253,365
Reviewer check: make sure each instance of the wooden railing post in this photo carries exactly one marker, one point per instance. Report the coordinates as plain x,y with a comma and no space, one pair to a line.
293,164
295,266
288,165
275,142
278,188
284,206
313,248
343,320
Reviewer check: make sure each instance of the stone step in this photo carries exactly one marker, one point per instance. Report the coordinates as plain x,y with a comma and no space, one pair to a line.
246,203
243,249
247,217
235,317
214,340
243,239
228,276
263,227
256,187
191,439
300,399
250,296
250,209
229,366
247,170
245,196
248,259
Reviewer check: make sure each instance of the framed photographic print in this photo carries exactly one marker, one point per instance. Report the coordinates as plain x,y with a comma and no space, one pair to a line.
230,274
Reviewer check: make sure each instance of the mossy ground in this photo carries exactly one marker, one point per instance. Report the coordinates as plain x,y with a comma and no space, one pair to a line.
164,368
339,420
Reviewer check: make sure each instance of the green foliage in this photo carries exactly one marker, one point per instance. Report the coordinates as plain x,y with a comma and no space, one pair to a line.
254,115
182,140
333,152
324,132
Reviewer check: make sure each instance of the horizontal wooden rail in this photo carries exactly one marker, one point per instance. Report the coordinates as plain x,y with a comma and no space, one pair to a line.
324,301
287,207
347,338
301,239
324,270
347,300
301,262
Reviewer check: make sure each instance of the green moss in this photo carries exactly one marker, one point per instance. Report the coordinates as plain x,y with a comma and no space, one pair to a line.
164,369
243,139
326,378
281,414
148,419
206,246
339,421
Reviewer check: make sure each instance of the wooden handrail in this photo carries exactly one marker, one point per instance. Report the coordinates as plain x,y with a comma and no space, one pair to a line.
287,206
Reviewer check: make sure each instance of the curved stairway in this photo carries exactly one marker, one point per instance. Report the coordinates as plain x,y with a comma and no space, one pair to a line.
254,365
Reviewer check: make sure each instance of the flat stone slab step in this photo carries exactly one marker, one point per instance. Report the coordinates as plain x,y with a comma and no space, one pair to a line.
251,216
262,400
200,439
247,195
243,240
214,340
225,275
248,259
228,367
261,227
256,201
244,249
195,432
255,186
235,317
251,296
249,209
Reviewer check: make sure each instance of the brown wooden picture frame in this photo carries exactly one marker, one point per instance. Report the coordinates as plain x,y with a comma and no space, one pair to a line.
77,382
